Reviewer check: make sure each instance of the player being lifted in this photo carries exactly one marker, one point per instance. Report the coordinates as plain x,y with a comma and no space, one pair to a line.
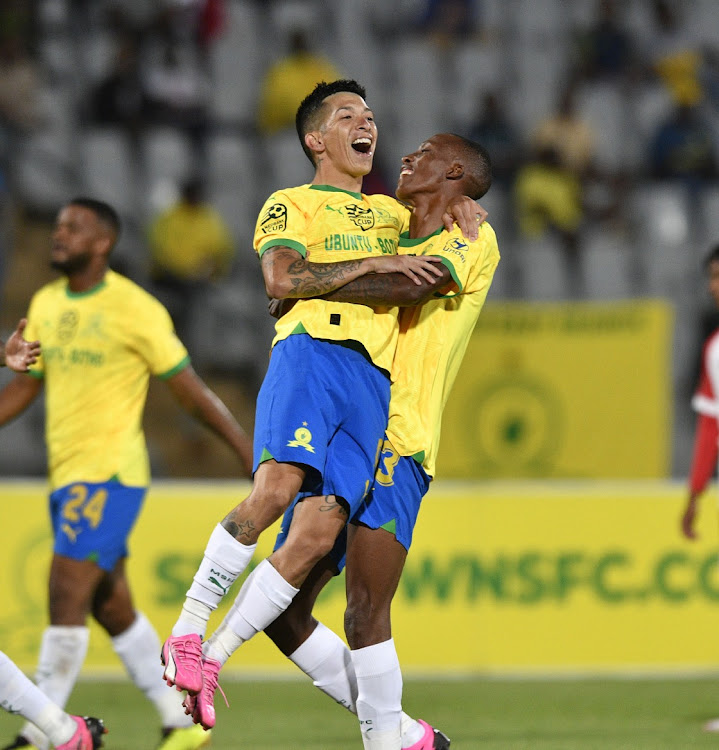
323,407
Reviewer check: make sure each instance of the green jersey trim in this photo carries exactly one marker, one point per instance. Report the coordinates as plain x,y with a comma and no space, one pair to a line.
266,456
390,526
298,246
406,241
299,328
333,189
179,366
448,263
87,293
37,374
419,457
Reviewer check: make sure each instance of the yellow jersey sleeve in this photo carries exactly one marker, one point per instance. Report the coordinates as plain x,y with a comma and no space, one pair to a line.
155,340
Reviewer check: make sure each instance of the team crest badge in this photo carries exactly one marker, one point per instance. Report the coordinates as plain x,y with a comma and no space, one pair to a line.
67,327
303,439
275,219
362,217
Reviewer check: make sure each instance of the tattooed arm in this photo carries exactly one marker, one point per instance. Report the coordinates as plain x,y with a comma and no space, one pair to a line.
288,275
389,289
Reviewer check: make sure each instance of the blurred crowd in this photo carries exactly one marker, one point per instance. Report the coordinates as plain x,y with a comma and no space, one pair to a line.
600,117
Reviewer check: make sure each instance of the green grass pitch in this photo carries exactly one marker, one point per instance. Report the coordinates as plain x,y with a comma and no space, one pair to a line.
486,714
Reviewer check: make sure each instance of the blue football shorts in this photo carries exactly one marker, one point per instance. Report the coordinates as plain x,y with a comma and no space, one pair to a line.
393,504
323,406
92,521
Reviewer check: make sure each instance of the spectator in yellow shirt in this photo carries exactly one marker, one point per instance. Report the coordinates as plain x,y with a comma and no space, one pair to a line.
288,82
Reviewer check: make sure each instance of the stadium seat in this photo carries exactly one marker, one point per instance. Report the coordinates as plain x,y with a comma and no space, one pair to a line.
237,63
167,157
543,273
107,168
420,96
288,164
603,105
608,266
45,172
664,239
478,68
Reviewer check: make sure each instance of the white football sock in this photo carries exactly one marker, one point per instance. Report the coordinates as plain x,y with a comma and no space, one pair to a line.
325,658
379,699
138,648
20,695
263,596
62,653
224,562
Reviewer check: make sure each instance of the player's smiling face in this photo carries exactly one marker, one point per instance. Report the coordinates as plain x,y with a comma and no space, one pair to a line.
77,231
426,168
348,133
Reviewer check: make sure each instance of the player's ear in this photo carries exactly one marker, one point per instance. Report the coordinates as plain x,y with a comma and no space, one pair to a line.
314,142
455,171
104,243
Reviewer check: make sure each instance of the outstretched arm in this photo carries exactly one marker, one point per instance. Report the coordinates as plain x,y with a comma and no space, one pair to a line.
200,402
17,395
17,353
290,276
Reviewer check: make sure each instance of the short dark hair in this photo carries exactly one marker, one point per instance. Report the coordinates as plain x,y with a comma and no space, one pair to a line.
478,167
711,256
307,117
104,212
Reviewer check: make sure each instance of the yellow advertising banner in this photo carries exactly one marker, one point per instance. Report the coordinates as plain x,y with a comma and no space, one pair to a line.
572,390
502,577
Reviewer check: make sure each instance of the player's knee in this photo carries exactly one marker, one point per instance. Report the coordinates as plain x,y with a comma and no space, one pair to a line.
366,621
312,547
269,503
69,605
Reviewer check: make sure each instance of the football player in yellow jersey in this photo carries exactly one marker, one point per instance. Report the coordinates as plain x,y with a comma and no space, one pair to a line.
432,341
322,409
102,337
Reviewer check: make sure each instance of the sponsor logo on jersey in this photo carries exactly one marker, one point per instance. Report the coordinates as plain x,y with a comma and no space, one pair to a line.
456,247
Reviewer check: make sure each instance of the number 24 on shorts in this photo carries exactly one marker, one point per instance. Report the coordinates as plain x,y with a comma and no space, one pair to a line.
82,504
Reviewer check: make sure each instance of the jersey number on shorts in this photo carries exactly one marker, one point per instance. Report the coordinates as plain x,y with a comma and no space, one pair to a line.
80,504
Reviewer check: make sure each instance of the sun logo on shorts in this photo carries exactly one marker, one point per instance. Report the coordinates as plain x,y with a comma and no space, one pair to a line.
303,437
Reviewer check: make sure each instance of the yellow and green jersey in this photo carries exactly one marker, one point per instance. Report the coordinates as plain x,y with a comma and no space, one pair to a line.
99,348
327,225
433,339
